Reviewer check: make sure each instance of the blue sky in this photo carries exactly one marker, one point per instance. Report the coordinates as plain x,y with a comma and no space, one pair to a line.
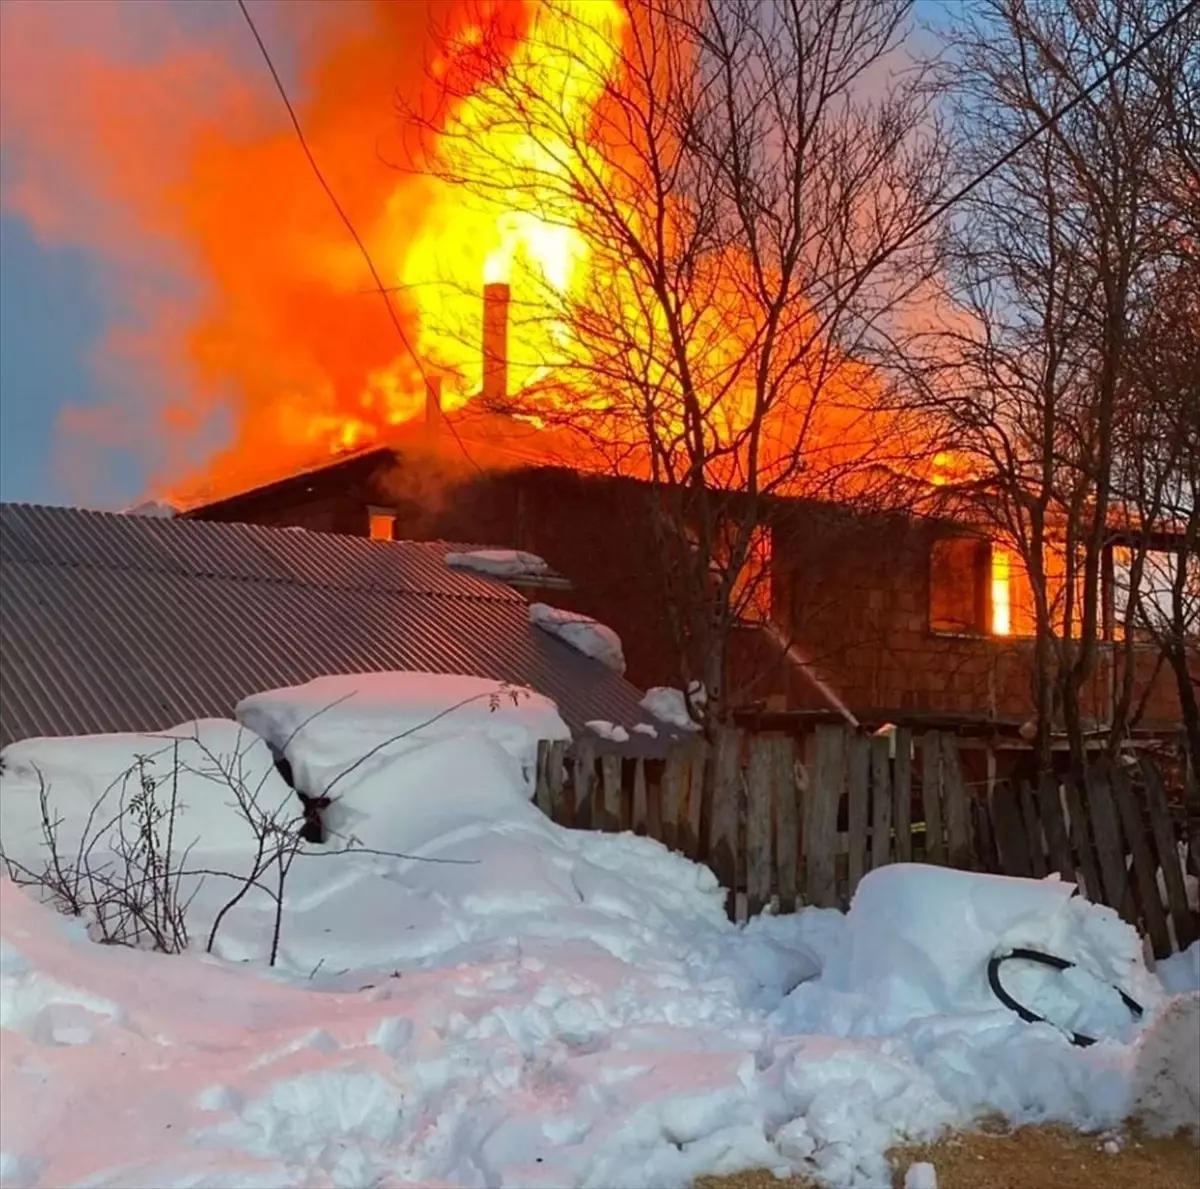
55,304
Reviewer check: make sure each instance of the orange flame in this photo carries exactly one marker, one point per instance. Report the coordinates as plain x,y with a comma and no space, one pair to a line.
159,144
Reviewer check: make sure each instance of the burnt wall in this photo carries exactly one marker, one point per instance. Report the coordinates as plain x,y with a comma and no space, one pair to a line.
855,593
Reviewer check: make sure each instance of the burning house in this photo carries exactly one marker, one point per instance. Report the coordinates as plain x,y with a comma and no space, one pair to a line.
872,615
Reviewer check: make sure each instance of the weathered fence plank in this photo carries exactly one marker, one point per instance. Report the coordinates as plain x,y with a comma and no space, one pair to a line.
1143,863
820,816
640,805
578,807
610,782
1110,846
957,809
1050,808
858,760
723,821
692,841
1011,840
541,794
758,825
902,793
1033,830
881,803
654,799
1081,839
672,799
787,830
1168,854
931,796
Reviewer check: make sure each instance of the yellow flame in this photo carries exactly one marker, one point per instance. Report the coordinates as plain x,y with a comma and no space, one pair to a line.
1001,593
469,240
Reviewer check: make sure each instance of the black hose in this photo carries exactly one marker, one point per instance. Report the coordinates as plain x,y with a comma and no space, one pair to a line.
1030,1017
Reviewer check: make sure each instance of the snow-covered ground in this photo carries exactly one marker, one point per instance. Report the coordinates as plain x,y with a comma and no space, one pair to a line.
468,994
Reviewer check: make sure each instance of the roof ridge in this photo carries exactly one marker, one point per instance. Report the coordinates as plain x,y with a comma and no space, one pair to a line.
280,580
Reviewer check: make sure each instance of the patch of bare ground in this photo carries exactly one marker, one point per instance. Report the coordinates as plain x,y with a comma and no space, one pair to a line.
1042,1157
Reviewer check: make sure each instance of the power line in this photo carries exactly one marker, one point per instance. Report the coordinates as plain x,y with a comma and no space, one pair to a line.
337,206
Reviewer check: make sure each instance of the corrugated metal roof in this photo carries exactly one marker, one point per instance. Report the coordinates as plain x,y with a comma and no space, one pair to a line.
111,622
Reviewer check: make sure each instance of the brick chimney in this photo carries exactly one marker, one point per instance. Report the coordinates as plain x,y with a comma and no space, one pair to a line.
495,342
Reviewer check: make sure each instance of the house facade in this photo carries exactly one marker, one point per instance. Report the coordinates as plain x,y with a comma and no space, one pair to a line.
885,618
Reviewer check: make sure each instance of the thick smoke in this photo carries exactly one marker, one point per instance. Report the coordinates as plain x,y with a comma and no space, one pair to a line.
150,135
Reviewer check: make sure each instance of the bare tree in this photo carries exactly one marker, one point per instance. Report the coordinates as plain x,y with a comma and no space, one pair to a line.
1160,488
740,188
1051,259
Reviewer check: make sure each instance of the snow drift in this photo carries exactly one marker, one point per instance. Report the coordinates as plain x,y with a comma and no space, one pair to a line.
367,721
90,780
470,995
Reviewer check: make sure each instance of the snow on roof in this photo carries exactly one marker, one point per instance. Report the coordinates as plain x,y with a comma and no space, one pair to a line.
669,706
582,633
158,508
500,563
608,730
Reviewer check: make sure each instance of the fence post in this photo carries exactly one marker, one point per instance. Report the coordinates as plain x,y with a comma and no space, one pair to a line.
1109,844
1143,864
672,799
881,793
931,796
957,810
1168,854
858,760
610,778
541,795
580,810
693,801
902,790
1056,831
1012,845
723,820
787,839
1081,837
640,805
758,825
820,816
1033,831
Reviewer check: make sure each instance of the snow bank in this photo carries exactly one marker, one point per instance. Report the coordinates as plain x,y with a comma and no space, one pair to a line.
1166,1094
1180,973
668,705
924,935
500,563
473,995
582,633
368,720
90,779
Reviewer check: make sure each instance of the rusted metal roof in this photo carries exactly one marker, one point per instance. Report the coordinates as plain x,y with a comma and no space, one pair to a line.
112,622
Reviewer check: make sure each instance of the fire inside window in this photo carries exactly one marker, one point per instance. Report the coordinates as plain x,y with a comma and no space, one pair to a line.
1001,601
381,524
971,587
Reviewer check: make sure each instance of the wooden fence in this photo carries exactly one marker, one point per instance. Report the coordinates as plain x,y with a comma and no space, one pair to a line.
800,820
